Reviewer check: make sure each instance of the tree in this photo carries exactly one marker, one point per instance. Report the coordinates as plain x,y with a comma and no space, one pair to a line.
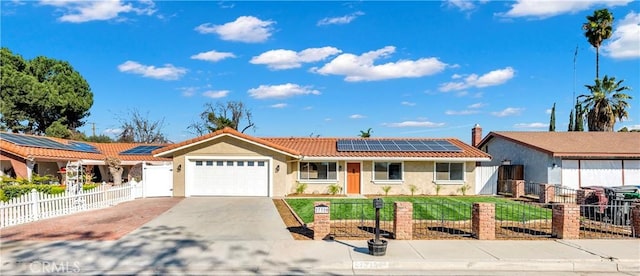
579,124
99,139
570,128
36,93
115,169
216,117
605,104
365,134
597,29
59,130
552,121
140,129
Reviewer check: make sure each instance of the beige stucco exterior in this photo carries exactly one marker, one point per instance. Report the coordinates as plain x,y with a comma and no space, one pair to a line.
284,170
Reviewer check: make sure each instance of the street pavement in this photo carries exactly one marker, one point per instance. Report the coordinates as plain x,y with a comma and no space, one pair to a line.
145,253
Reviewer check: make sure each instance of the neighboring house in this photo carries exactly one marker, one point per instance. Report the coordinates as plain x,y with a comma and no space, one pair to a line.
230,163
573,159
25,155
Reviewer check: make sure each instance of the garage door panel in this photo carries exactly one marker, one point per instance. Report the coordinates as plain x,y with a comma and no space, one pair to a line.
230,178
601,173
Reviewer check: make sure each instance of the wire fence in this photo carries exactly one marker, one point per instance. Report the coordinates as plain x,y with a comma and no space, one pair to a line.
564,194
357,220
523,221
532,189
443,220
606,221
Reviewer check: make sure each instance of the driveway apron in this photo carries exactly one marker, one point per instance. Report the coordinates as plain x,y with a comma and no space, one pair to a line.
218,219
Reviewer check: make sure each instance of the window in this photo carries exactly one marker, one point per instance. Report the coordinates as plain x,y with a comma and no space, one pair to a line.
260,163
219,163
387,171
229,163
250,163
450,171
318,170
240,163
209,163
198,163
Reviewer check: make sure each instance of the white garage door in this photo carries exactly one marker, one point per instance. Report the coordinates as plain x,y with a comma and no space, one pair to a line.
229,178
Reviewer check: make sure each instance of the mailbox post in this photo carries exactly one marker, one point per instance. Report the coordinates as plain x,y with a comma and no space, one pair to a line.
377,247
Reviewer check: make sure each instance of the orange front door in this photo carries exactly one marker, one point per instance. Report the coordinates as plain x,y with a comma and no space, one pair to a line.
353,178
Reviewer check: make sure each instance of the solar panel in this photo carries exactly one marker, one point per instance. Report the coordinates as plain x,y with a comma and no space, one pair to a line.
140,150
408,145
43,142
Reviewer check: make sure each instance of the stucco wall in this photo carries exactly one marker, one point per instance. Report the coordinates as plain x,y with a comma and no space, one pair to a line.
538,166
228,146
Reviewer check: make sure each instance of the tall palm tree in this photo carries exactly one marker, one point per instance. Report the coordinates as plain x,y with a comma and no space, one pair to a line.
597,29
605,104
365,134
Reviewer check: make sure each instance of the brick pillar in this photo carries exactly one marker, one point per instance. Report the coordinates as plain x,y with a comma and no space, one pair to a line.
565,223
321,222
517,186
483,221
582,195
547,193
635,219
403,220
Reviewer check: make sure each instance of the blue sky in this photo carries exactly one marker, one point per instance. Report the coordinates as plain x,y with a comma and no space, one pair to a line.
404,69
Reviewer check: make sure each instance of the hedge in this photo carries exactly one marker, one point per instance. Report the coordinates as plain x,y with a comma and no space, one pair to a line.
12,191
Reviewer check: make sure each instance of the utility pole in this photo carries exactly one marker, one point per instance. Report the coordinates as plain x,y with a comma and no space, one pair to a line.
93,129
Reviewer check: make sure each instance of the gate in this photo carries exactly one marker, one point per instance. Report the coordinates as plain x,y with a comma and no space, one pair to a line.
157,180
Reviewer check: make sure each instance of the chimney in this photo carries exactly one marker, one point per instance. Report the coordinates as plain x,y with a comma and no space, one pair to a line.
476,135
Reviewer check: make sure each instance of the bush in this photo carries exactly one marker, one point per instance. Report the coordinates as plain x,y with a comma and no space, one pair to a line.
386,190
13,191
334,189
87,187
301,188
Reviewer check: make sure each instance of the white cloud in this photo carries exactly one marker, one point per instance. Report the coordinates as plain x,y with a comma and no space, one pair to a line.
625,40
462,5
362,68
278,105
509,111
632,127
188,91
213,56
308,108
167,72
357,116
531,125
113,131
493,78
281,91
476,105
287,59
461,112
78,11
340,20
247,29
408,103
547,111
549,8
215,94
414,124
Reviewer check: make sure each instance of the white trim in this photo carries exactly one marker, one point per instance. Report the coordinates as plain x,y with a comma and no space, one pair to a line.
452,182
190,167
448,159
162,154
319,180
124,162
387,182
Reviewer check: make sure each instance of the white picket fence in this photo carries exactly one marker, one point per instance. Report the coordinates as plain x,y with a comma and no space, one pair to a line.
36,206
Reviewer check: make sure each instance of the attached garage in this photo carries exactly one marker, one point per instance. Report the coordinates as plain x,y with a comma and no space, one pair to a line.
227,176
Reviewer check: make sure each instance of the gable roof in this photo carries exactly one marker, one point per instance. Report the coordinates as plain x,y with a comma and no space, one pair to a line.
104,150
319,148
574,144
227,131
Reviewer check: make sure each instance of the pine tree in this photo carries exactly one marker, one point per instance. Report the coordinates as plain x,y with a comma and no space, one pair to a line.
552,121
570,121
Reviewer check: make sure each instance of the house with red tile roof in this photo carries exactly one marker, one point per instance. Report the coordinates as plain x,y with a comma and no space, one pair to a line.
230,163
571,159
25,155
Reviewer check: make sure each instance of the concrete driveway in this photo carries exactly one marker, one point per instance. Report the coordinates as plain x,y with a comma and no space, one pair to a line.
217,219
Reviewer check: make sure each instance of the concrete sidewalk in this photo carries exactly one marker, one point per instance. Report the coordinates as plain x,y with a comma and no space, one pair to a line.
198,256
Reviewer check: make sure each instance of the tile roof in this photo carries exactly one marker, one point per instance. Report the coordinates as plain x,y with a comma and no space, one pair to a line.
575,144
326,147
105,149
219,133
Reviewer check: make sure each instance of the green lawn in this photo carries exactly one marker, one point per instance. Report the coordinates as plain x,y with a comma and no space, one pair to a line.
427,208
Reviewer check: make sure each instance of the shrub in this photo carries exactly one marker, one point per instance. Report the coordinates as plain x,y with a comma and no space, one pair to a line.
464,189
300,188
334,189
13,191
386,190
413,189
438,188
87,187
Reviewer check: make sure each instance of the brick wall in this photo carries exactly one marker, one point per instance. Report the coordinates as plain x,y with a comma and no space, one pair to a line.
403,220
483,224
582,195
517,187
321,222
635,219
565,222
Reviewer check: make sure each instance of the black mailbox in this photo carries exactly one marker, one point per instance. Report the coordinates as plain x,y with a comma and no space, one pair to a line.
378,203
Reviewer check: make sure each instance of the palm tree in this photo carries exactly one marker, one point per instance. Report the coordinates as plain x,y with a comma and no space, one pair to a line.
605,104
597,29
365,134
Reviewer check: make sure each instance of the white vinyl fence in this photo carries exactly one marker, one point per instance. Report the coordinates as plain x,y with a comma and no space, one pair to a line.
36,206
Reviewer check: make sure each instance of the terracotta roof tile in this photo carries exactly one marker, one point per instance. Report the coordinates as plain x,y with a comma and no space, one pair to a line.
105,149
575,144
